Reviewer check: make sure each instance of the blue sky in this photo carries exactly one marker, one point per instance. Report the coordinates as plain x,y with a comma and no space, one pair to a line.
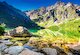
35,4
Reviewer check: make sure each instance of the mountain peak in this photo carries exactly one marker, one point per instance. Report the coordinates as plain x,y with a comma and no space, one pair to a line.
60,11
69,4
59,3
4,2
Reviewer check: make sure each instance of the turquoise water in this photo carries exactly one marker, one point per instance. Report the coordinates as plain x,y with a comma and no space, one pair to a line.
33,30
30,30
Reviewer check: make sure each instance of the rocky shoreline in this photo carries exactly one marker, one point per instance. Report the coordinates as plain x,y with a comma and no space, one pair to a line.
8,48
23,46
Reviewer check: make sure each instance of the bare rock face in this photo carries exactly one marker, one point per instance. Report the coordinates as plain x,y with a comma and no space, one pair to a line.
65,11
58,12
19,31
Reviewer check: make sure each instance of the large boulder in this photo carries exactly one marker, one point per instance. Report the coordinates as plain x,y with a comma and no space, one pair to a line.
31,41
60,51
2,47
69,53
6,42
29,52
19,31
7,54
50,51
75,50
76,47
14,50
29,47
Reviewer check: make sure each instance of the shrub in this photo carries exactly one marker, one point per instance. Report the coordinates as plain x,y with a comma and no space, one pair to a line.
2,30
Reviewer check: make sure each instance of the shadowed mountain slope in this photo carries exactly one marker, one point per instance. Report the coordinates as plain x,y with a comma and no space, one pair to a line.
13,17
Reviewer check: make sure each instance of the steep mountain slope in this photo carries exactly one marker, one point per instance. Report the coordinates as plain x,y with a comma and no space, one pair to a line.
13,17
54,13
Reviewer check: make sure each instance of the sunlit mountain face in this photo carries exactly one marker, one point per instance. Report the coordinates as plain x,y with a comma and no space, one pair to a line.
35,4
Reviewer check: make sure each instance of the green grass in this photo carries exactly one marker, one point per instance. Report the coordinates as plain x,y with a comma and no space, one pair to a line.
45,33
68,31
71,28
54,28
46,23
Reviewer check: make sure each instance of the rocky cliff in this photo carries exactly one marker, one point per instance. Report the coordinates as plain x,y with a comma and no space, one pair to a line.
57,12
